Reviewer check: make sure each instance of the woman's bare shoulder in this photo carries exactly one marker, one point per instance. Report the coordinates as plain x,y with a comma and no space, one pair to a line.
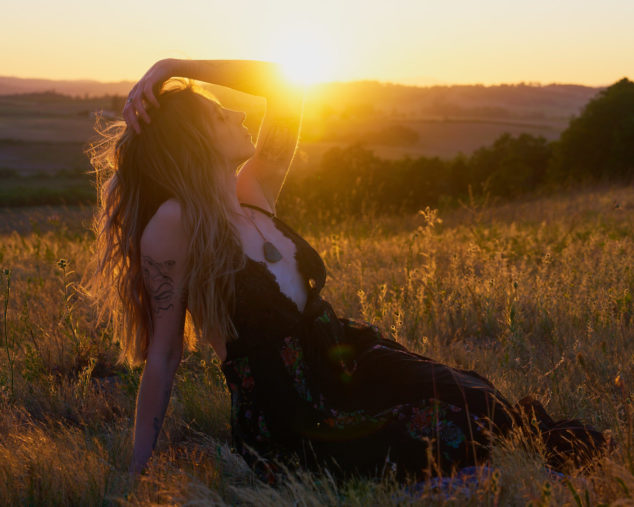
164,234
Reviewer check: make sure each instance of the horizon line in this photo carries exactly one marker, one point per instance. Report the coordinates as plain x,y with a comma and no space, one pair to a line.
339,81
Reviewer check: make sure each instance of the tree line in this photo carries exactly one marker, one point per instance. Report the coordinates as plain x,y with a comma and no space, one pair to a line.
597,146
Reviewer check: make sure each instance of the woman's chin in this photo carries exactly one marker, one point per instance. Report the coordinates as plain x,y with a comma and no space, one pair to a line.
248,153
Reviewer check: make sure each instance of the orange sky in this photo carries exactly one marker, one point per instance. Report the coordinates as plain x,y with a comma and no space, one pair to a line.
407,41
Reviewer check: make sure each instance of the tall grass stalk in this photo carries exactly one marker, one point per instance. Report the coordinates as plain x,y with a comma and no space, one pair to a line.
8,347
67,309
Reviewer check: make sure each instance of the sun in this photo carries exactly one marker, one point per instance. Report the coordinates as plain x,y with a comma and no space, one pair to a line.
306,60
305,65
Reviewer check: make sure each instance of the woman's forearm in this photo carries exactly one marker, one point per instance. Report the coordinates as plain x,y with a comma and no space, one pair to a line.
265,79
152,401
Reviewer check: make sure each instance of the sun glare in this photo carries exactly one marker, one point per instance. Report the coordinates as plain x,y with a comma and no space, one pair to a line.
304,67
305,60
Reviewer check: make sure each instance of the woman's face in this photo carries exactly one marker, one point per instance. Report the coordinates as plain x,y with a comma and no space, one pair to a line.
232,137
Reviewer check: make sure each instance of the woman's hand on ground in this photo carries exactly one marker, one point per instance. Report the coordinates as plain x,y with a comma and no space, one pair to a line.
143,94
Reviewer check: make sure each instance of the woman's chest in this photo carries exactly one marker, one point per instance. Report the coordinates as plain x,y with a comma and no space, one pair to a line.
277,255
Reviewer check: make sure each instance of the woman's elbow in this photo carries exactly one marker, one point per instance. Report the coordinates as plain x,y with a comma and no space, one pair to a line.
168,356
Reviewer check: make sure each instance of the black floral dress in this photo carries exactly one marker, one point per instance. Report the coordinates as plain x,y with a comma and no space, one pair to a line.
311,389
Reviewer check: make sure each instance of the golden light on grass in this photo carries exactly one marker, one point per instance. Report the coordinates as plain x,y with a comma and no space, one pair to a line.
500,289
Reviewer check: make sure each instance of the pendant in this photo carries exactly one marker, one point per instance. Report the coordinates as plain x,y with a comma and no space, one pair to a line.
271,254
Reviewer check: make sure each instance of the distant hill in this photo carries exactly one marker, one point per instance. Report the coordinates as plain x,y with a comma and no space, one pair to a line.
553,101
45,123
16,85
366,98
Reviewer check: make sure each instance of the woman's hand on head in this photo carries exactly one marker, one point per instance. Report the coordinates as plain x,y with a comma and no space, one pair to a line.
143,94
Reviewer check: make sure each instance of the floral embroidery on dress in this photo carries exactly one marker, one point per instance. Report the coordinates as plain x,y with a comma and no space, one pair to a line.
245,416
421,420
451,434
243,369
293,358
430,418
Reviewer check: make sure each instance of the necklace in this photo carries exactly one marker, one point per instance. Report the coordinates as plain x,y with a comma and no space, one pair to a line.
271,253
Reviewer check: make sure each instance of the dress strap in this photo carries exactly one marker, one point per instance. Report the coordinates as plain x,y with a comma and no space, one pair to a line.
262,210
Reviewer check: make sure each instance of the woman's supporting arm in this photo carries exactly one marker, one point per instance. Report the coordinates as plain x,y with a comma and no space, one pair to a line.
152,401
163,248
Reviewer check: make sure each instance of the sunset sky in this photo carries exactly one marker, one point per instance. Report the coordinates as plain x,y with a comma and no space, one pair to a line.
408,41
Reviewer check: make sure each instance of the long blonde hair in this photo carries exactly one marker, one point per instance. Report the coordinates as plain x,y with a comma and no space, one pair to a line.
173,157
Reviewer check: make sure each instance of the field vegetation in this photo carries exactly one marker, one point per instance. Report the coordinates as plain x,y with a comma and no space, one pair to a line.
536,294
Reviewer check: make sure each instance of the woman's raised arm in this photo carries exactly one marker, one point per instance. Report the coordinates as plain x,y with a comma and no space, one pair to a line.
261,178
264,79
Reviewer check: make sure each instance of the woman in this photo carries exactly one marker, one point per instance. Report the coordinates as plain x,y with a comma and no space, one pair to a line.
182,230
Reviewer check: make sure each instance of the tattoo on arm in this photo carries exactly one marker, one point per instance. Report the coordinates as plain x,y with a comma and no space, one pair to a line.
279,142
159,284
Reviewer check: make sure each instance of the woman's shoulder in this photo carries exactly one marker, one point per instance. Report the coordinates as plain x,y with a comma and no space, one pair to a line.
169,212
165,231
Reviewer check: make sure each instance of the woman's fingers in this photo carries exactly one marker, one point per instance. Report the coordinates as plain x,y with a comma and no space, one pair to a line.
135,108
148,93
142,95
130,117
137,101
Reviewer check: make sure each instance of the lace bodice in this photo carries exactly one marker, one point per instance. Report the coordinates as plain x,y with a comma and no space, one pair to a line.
262,309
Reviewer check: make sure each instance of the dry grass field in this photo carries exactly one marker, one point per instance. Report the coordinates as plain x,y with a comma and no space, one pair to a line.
536,295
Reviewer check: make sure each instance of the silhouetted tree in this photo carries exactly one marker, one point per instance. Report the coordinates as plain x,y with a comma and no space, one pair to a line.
511,165
599,144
